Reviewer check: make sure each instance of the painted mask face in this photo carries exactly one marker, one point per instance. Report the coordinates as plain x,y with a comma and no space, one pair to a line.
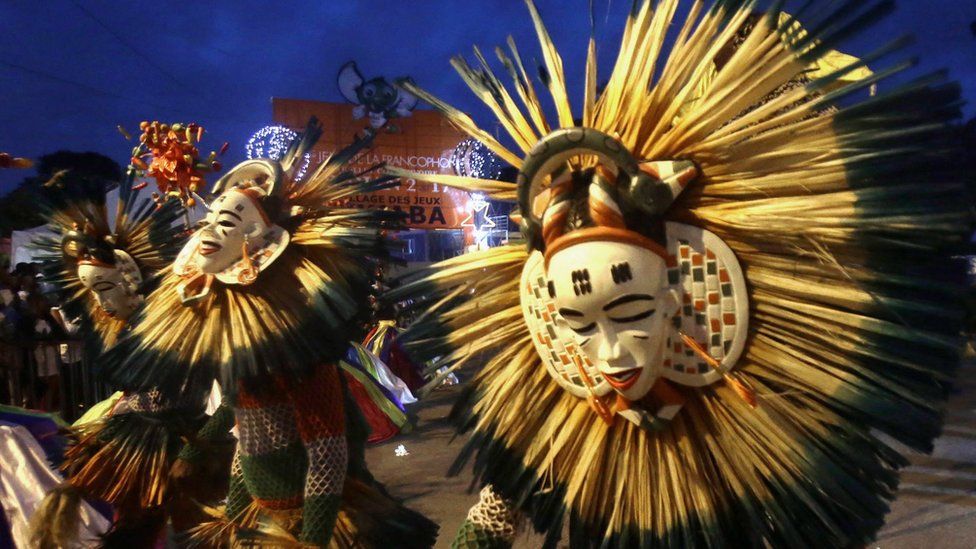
234,218
115,287
616,300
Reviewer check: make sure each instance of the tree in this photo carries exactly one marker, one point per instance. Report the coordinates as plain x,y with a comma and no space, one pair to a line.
86,164
18,209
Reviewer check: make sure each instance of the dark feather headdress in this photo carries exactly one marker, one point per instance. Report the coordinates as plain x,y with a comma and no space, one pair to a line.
75,209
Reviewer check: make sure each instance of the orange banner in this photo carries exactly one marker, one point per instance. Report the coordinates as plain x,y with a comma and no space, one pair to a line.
423,142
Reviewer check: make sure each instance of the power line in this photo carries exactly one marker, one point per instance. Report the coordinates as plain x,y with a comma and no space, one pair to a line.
98,91
126,43
227,119
60,79
92,89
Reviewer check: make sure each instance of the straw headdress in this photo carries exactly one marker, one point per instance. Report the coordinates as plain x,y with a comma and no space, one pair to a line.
843,210
298,314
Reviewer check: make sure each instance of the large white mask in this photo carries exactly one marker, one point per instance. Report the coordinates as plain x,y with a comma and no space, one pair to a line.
115,287
616,299
611,310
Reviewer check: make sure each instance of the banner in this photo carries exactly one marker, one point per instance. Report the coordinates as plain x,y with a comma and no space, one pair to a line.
422,143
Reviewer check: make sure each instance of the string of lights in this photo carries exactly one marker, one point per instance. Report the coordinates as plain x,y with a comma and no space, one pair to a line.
472,158
272,142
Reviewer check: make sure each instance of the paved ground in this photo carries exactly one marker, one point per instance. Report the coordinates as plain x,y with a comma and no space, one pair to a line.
421,477
936,507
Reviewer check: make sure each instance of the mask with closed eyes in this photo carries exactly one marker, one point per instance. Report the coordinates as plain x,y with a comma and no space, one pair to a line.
618,299
115,287
615,299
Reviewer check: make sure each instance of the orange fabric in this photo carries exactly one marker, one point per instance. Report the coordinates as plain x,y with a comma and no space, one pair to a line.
380,426
609,234
317,400
280,504
260,399
319,403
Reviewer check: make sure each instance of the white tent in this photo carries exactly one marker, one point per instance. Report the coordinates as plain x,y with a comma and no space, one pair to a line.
20,250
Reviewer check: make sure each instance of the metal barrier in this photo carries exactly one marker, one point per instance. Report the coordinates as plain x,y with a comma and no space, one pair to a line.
76,383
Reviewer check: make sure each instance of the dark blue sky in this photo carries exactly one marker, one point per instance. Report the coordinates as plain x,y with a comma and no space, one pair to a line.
71,70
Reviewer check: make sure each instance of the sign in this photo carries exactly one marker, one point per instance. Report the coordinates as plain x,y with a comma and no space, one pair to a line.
423,143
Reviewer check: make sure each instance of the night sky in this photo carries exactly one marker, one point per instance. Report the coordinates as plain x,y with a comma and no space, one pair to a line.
71,70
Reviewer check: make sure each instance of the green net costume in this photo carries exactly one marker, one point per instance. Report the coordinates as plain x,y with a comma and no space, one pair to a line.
265,297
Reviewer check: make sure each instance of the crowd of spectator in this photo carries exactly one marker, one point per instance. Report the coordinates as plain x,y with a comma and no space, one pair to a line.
35,344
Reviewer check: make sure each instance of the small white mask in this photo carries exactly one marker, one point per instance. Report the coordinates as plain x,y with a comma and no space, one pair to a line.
616,299
115,287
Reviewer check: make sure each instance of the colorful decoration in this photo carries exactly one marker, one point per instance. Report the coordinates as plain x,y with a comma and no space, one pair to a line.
168,154
376,99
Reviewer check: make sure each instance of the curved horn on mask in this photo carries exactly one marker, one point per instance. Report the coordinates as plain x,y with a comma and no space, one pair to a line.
639,185
80,245
550,155
266,174
660,182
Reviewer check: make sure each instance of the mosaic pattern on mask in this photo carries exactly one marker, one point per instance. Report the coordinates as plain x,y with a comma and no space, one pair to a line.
128,268
713,310
563,352
707,312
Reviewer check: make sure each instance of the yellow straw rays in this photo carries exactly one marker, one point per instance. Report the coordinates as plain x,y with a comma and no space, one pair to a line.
842,219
